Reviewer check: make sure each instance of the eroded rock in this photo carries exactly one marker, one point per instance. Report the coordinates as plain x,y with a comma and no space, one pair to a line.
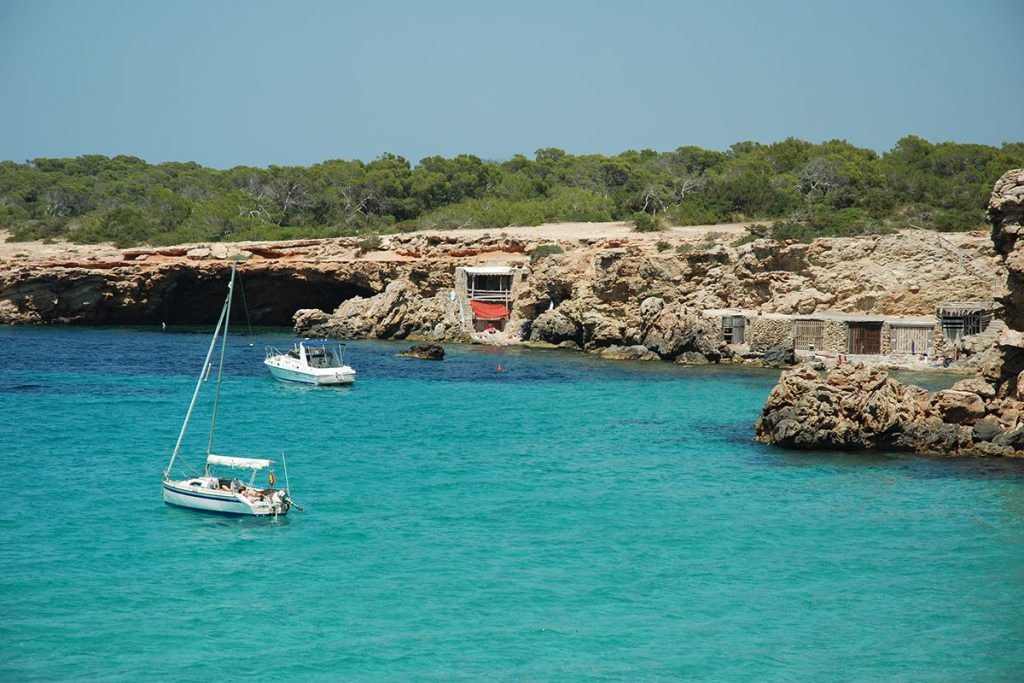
424,352
635,352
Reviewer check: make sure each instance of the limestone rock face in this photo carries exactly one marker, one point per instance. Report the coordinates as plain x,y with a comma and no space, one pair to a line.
396,313
958,407
853,407
1006,213
976,385
306,319
671,332
554,327
779,356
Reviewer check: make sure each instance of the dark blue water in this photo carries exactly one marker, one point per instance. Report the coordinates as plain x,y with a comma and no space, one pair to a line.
567,518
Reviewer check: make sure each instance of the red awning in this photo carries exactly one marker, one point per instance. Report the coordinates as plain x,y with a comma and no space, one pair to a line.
485,311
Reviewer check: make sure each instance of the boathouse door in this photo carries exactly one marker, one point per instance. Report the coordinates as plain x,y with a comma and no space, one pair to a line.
911,339
866,338
807,334
732,329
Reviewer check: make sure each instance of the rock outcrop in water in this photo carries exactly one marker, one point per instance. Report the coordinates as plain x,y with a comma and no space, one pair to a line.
856,408
859,408
424,352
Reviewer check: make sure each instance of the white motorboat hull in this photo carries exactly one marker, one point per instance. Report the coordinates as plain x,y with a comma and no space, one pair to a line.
180,494
316,376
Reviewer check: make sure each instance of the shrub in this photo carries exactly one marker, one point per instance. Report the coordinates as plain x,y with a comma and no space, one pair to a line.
645,222
690,212
684,248
955,220
367,244
662,245
49,228
544,250
755,231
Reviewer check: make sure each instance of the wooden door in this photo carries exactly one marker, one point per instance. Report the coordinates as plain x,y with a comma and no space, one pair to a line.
906,339
866,338
732,329
807,334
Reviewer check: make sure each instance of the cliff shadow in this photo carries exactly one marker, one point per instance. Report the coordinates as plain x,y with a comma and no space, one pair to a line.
191,297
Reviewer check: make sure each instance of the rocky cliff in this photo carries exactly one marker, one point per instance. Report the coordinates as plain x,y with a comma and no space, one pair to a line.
591,292
616,294
855,408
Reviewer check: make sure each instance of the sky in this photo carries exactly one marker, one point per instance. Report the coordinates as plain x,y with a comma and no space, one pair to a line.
259,82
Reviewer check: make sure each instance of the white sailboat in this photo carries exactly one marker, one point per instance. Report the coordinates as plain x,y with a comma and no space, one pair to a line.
210,491
311,362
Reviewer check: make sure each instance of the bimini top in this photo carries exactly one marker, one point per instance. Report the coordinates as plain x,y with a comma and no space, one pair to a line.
320,342
241,463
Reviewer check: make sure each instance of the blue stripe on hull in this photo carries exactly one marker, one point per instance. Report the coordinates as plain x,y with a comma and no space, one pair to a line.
213,512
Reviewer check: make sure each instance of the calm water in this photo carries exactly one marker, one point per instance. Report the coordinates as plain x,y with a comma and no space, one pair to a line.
564,519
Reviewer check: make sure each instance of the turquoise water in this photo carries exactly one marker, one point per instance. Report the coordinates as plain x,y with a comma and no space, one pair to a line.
565,519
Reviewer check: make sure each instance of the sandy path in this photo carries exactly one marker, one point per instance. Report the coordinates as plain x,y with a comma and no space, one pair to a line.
582,231
54,251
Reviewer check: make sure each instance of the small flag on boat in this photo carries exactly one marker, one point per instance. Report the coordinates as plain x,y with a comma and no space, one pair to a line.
271,477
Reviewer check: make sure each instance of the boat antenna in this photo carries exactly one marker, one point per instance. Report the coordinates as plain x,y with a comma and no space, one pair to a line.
287,488
223,348
195,394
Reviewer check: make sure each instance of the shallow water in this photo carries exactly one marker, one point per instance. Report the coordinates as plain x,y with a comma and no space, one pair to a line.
566,518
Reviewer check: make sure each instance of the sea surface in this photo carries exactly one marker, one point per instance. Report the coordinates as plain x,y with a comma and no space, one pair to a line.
565,518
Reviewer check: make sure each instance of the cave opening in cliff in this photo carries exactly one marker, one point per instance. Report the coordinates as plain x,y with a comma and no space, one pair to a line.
271,297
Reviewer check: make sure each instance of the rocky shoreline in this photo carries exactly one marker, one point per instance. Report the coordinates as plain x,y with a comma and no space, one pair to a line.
860,408
623,298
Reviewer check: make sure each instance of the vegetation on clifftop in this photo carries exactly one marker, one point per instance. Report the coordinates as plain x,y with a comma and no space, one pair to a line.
811,189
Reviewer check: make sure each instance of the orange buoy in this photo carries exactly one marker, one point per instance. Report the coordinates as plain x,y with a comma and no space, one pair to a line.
499,368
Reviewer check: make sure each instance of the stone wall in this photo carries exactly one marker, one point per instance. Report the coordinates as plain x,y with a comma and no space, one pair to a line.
834,337
765,332
886,337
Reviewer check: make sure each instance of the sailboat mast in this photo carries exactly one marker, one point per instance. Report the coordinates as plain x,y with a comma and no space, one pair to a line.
195,394
223,348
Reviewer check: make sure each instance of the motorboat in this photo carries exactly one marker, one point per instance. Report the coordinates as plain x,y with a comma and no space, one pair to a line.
211,490
311,362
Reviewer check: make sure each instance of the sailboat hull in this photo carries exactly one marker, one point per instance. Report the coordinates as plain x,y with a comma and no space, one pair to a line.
179,494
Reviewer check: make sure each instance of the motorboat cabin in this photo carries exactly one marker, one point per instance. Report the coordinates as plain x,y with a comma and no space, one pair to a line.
311,362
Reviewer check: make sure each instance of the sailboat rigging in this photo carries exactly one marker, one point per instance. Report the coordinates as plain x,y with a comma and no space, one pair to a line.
222,494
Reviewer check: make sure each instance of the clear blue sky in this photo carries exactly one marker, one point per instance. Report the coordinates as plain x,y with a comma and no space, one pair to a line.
260,82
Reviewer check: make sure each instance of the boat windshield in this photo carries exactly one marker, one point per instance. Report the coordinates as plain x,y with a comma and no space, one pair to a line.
324,355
